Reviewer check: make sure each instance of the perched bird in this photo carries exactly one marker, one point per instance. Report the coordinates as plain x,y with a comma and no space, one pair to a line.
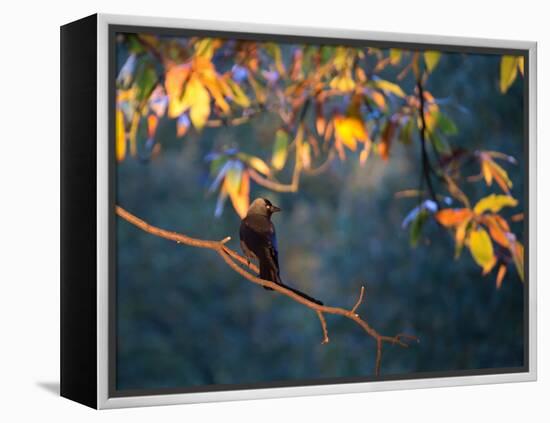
259,242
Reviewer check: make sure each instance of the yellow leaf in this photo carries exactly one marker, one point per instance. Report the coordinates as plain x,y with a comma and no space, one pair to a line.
196,97
395,56
390,87
432,59
174,81
259,165
378,99
241,198
508,72
343,83
349,130
210,80
238,95
500,275
280,151
233,177
494,203
120,136
521,64
481,248
453,217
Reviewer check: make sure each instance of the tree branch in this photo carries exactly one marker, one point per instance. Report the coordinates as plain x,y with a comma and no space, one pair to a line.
231,258
426,166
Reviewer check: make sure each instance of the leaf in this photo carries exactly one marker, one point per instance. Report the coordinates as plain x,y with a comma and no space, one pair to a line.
508,72
516,248
432,59
222,197
389,87
378,99
521,64
152,124
198,99
494,203
446,125
145,81
344,82
491,170
215,165
395,56
440,144
500,275
258,164
416,227
365,152
349,130
238,95
460,236
241,198
233,176
120,148
386,140
280,149
174,81
498,228
481,248
453,217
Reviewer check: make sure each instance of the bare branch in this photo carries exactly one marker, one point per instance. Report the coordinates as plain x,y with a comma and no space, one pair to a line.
324,326
231,258
358,303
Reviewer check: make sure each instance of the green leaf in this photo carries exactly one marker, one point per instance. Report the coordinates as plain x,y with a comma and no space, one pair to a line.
280,149
145,81
446,125
494,203
440,144
416,227
508,72
432,59
481,248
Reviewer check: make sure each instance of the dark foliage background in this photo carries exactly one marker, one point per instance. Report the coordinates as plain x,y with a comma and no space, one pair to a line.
184,319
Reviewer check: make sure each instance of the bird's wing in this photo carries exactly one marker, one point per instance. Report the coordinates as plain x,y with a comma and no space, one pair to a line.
259,237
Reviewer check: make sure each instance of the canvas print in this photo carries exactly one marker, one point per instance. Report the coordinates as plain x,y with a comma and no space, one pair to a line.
294,211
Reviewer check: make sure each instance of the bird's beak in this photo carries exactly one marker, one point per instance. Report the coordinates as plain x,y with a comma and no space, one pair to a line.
275,209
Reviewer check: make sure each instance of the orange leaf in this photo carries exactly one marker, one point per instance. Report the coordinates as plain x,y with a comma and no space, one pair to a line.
453,217
152,123
120,142
500,275
174,81
498,228
385,140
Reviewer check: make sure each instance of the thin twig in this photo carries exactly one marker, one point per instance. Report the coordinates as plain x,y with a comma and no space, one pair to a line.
324,326
358,303
231,258
426,166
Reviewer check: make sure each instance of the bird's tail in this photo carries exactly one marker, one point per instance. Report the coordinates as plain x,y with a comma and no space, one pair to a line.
302,294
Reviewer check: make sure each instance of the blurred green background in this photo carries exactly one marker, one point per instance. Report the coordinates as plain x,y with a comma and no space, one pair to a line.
184,319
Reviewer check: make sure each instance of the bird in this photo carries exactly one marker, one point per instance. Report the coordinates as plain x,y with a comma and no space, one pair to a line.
259,243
